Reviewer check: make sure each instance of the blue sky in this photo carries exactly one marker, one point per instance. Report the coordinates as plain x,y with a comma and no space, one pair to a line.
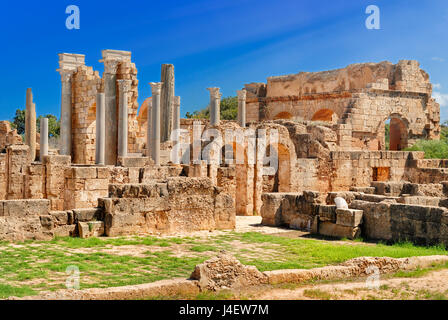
215,43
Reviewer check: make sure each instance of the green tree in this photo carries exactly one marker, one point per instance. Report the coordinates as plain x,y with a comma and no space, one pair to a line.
54,126
18,121
229,110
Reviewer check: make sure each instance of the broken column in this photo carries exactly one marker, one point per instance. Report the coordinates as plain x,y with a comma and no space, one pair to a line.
123,86
43,139
111,60
100,128
68,63
215,106
241,108
176,119
156,88
30,124
166,102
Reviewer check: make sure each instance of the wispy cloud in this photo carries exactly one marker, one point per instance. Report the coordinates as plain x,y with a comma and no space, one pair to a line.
441,98
437,86
438,59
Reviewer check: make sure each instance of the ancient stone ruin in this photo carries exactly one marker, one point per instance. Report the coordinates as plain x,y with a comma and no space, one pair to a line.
299,142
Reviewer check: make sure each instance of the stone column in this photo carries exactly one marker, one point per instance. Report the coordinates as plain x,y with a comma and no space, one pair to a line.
100,128
66,114
149,129
241,108
124,86
176,119
156,88
110,97
30,124
215,106
68,64
166,101
43,139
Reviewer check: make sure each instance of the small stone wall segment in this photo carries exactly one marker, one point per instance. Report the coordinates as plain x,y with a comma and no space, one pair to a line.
167,206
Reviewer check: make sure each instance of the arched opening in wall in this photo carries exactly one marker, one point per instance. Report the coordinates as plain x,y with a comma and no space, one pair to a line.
284,169
325,115
280,160
396,134
283,115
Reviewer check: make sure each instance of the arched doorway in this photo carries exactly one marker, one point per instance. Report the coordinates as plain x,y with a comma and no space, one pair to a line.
283,115
396,134
325,115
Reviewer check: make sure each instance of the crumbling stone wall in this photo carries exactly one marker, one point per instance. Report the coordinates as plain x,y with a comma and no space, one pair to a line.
84,88
167,206
360,97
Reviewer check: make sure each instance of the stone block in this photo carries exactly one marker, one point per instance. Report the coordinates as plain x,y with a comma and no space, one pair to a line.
349,217
327,213
90,229
86,215
334,230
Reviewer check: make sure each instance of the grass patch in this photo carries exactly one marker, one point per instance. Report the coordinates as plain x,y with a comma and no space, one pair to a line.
317,294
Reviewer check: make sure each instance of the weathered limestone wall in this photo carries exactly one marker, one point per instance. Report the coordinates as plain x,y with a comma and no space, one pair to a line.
8,136
35,181
85,84
3,177
173,205
16,165
55,167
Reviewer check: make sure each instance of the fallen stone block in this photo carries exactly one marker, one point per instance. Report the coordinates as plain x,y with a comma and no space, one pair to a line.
335,230
90,229
349,217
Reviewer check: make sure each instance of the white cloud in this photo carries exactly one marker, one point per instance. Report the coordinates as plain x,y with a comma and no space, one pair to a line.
438,59
441,98
437,86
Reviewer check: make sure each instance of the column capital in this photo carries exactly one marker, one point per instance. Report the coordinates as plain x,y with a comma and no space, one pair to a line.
124,85
156,88
241,94
214,92
110,66
66,75
176,101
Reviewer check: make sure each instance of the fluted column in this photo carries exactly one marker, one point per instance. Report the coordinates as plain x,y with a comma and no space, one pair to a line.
166,101
100,128
241,108
30,124
124,86
215,106
43,139
149,129
156,88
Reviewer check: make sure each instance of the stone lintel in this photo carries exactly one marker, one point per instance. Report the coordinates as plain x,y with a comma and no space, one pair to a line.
69,62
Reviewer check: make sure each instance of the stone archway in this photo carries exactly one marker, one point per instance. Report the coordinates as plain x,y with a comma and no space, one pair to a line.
395,131
325,115
283,115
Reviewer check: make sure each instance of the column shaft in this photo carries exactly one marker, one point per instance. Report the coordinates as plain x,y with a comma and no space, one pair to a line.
123,86
155,143
166,101
176,119
30,124
43,139
215,106
100,129
242,108
66,115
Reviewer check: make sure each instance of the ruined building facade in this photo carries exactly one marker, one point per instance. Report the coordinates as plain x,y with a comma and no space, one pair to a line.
119,171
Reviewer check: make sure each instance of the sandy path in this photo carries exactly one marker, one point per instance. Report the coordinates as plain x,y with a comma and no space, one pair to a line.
433,285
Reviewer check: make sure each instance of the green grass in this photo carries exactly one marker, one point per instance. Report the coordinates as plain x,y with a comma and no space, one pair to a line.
41,265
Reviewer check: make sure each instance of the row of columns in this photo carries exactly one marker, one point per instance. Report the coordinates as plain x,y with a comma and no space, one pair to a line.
30,129
215,107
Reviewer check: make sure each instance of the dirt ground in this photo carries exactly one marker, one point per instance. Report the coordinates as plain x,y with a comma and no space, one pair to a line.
432,286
